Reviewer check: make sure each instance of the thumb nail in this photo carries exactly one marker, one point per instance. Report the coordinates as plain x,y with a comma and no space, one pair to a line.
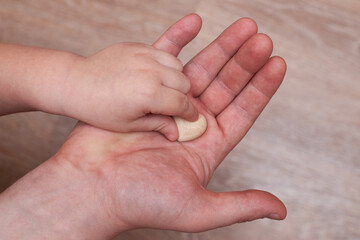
274,216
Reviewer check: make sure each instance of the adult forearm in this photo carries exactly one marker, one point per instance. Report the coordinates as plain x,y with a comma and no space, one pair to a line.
32,78
56,201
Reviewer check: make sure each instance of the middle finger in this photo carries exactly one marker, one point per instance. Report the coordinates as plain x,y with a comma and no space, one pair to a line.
250,58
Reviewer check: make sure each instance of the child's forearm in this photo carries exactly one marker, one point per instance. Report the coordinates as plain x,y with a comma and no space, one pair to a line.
32,78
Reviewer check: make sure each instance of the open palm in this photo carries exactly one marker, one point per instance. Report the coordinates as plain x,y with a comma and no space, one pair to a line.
146,180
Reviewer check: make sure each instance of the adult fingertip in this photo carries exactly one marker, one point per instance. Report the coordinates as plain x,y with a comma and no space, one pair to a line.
281,63
276,216
195,19
249,23
194,15
280,213
278,67
263,204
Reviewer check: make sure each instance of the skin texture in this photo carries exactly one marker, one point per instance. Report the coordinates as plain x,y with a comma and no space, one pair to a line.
129,87
103,182
126,87
32,78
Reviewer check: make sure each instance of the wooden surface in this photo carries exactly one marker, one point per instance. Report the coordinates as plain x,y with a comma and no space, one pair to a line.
305,148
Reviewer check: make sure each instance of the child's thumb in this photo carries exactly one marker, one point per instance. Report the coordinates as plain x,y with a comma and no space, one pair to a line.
164,124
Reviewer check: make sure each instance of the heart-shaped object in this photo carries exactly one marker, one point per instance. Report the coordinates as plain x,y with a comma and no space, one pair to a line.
190,130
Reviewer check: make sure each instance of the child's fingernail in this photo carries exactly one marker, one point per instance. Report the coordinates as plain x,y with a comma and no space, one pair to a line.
171,137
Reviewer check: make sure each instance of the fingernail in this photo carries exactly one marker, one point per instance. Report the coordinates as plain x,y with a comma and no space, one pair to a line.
274,216
171,137
196,116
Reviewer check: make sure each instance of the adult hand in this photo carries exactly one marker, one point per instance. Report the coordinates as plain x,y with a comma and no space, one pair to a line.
123,181
161,184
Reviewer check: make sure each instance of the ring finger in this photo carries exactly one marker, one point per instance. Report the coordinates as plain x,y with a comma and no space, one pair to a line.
251,57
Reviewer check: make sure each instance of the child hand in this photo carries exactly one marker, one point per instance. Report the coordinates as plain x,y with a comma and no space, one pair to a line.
129,87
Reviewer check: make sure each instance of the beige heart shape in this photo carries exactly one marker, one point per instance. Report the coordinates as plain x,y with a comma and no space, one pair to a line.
190,130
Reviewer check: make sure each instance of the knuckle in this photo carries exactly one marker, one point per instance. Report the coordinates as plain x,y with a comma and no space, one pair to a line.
150,92
182,82
184,103
187,84
178,64
141,57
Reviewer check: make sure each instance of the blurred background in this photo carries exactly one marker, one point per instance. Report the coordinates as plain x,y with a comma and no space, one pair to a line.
305,147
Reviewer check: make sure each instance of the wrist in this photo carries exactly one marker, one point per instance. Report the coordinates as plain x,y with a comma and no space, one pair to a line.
33,78
49,92
57,201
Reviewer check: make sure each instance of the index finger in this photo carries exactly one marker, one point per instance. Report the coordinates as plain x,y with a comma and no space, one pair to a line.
179,34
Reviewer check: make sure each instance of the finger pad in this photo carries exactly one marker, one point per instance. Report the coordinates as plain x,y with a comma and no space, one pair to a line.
254,53
269,78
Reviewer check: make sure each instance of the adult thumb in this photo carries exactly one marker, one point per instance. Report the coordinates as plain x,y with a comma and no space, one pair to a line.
222,209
